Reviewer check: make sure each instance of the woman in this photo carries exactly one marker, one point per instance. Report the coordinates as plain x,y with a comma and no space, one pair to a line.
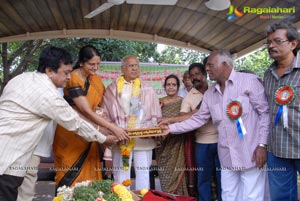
75,159
170,155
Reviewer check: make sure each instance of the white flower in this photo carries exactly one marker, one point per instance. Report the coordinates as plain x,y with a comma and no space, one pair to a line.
66,192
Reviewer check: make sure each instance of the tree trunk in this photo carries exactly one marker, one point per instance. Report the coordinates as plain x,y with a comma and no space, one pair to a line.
12,64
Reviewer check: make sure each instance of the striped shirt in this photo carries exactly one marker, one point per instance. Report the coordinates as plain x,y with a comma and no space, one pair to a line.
27,105
284,142
234,153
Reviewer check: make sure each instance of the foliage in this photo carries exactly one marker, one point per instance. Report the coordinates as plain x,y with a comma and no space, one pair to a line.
15,59
257,62
110,50
90,193
175,55
102,185
85,193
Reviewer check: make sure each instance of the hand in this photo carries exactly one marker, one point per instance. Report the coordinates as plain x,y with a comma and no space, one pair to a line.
164,121
165,129
260,156
120,133
125,142
110,140
104,131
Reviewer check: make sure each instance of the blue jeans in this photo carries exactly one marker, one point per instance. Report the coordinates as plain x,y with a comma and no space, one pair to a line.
282,174
207,161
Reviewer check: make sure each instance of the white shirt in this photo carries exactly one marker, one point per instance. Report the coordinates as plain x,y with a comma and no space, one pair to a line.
28,103
44,148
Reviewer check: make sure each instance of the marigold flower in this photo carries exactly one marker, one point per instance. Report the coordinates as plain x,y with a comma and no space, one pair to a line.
125,153
127,182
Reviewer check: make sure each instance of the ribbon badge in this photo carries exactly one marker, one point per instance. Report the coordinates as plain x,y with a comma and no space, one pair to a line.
234,111
283,96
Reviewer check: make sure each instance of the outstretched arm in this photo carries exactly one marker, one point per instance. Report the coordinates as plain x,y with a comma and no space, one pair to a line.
182,117
84,107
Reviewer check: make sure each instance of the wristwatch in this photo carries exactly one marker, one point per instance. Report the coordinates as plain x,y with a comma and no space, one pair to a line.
262,145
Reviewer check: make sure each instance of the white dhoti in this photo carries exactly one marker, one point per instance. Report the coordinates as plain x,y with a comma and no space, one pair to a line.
142,160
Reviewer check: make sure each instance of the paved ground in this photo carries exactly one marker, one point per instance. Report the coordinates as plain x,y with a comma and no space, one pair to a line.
45,191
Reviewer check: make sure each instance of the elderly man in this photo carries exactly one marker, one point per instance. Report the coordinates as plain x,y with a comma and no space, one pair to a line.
237,105
188,85
130,103
28,103
282,85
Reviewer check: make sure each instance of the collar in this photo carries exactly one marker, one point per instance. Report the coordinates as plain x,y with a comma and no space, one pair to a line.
231,79
295,64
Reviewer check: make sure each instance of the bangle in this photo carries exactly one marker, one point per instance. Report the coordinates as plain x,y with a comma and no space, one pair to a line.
262,145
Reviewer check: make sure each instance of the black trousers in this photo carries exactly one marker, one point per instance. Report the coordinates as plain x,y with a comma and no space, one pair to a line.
9,187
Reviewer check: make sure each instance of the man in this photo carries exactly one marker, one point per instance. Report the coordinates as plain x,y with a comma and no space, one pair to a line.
206,137
44,149
188,85
282,84
239,110
28,103
130,103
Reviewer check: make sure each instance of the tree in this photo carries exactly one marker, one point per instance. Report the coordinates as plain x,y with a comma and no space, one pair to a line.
110,49
256,62
15,58
175,55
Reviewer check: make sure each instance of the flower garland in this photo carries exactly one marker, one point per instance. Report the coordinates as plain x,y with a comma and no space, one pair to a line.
126,149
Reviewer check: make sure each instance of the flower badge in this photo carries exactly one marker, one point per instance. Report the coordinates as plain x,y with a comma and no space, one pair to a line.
234,112
282,97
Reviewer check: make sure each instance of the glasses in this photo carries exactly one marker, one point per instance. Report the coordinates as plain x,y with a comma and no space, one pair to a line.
276,41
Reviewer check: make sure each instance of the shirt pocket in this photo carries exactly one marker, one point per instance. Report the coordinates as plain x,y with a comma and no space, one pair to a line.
216,113
296,102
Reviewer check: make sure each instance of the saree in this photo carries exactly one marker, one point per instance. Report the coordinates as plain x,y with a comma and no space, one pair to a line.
75,159
170,156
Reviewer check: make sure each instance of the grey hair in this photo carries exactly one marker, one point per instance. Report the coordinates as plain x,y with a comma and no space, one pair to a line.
226,56
124,59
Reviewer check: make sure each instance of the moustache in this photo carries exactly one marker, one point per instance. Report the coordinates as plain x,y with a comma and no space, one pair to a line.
195,81
271,50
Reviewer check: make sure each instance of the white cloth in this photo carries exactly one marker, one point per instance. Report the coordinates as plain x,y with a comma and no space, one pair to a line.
182,92
27,105
142,160
44,148
27,190
246,185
